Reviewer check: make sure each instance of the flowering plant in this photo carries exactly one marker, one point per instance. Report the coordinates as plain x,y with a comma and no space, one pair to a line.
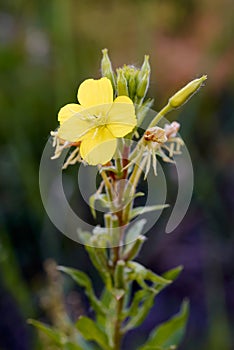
100,131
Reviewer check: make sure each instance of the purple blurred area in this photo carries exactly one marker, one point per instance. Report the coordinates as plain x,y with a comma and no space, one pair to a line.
46,50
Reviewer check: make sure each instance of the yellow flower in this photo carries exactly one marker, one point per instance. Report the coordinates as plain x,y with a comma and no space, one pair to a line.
97,121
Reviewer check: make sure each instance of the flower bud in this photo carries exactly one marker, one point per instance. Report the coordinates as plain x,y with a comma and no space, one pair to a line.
144,69
143,84
155,134
122,84
132,85
183,95
106,67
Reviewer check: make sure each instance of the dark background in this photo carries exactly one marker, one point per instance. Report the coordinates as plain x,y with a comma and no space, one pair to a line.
46,49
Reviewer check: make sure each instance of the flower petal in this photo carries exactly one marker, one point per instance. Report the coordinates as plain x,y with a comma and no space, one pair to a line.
68,111
121,117
98,146
74,128
95,92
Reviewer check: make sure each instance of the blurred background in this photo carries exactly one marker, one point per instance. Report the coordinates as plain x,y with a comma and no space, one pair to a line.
46,49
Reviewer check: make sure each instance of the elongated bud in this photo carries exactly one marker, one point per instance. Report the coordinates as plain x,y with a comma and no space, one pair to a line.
155,134
183,95
143,85
106,68
122,84
133,249
144,68
132,85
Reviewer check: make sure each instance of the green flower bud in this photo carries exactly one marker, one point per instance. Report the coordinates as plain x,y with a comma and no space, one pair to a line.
143,85
106,68
145,68
132,86
183,95
122,84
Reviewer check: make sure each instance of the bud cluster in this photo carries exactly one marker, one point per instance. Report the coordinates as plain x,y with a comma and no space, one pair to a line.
128,80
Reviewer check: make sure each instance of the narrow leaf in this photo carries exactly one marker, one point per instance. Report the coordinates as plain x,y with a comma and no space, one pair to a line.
173,274
90,331
71,346
142,210
170,333
53,334
135,230
140,309
84,281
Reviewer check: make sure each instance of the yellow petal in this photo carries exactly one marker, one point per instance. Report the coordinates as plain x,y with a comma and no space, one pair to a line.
68,111
98,146
94,92
74,128
121,117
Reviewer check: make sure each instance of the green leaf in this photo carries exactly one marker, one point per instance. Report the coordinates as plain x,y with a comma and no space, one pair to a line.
142,210
99,260
140,274
53,334
84,236
90,331
173,274
71,346
170,333
84,281
135,231
142,303
102,197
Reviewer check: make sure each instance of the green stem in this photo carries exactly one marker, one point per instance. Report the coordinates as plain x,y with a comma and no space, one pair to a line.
118,324
160,115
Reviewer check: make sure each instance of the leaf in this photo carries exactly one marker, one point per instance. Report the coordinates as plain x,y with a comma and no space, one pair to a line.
53,334
90,331
140,274
173,274
102,197
170,333
71,346
84,281
99,260
142,303
84,236
142,210
135,230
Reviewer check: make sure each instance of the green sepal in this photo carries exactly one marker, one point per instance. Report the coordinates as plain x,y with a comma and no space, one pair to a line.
169,334
90,331
84,281
142,210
